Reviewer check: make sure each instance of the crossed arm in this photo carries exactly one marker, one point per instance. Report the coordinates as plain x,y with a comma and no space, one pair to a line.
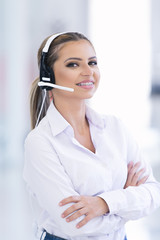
114,208
95,206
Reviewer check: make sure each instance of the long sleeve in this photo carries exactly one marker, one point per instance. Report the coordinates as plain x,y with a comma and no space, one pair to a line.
48,180
134,202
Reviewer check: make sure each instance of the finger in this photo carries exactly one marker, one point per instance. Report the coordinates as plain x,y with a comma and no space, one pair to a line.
130,165
77,214
84,221
133,171
137,175
143,180
70,199
135,168
72,209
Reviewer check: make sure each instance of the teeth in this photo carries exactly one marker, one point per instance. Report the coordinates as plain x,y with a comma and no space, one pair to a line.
85,84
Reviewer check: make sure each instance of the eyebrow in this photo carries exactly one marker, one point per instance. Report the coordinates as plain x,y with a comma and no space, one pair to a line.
79,59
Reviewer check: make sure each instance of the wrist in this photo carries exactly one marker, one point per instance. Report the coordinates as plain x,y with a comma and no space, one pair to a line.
105,208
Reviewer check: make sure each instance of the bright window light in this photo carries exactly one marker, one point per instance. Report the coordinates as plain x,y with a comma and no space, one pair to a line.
120,32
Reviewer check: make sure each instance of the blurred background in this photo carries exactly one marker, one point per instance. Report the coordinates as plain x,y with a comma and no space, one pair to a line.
126,37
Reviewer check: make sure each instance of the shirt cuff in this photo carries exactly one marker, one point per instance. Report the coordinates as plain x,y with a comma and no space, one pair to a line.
116,200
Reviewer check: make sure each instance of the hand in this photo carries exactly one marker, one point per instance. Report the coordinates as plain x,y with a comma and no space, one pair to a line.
134,175
87,206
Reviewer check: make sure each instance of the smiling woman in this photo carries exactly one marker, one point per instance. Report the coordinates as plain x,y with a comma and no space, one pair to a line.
84,171
77,68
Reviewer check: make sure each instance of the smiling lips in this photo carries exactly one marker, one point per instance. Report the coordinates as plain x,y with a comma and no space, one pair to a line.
86,84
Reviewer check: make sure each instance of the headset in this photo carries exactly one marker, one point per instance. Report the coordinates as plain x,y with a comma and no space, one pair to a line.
47,78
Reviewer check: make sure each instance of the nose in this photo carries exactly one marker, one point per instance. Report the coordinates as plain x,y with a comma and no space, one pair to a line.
87,70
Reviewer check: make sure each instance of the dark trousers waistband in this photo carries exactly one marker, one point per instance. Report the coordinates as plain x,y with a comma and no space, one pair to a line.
50,236
53,237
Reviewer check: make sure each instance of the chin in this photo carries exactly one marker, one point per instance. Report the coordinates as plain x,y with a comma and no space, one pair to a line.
87,96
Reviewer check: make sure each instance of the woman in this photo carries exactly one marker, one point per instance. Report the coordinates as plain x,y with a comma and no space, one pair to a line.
76,159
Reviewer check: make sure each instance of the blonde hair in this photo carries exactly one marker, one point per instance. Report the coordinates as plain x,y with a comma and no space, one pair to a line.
36,94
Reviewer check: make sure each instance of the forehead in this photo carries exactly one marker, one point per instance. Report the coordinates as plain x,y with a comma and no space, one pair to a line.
79,48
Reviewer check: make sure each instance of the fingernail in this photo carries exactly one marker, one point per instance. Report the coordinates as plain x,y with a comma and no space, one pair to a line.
62,215
60,204
77,226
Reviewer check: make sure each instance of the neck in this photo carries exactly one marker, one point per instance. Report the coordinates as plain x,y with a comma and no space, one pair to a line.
74,113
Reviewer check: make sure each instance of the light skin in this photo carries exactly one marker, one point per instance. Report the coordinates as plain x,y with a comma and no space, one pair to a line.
77,63
134,177
77,68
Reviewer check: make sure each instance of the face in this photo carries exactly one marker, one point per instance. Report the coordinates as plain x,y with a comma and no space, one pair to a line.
77,68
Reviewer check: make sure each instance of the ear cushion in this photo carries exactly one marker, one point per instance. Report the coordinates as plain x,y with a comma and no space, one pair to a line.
46,71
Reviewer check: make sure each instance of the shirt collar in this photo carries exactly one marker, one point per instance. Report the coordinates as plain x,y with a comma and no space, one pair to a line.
56,120
59,124
95,118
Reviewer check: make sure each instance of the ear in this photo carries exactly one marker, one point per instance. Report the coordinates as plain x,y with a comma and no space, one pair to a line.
50,93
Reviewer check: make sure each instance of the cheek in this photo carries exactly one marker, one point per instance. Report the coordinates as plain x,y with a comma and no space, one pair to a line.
97,75
61,75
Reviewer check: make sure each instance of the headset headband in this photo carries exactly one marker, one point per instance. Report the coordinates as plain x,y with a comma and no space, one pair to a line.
49,41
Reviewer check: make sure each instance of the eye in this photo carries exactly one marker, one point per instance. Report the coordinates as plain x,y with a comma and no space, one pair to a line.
92,63
72,64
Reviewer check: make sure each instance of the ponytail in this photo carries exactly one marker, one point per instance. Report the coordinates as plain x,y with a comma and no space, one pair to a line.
36,98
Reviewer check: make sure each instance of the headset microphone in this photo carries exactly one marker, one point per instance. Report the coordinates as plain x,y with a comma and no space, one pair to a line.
52,85
47,78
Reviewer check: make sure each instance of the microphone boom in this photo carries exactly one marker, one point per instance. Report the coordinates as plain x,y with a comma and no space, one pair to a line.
46,84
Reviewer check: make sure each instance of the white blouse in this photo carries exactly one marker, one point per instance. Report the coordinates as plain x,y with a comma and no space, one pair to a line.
57,166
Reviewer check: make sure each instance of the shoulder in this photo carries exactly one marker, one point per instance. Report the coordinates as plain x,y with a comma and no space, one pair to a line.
102,120
39,135
109,124
113,125
113,121
110,121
